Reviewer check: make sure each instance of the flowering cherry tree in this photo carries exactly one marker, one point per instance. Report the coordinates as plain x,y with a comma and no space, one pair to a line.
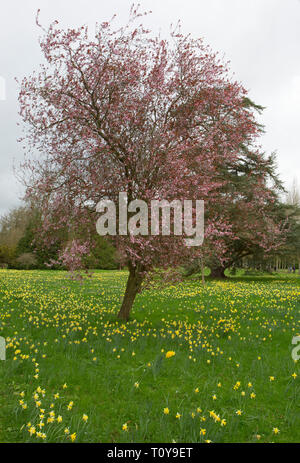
122,110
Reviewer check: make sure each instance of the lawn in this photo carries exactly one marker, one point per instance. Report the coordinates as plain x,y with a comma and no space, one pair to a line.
75,373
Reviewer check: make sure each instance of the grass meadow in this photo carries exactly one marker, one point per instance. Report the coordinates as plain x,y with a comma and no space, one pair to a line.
194,363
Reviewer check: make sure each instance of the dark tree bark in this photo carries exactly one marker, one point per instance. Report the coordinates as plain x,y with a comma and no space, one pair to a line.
202,272
218,272
133,286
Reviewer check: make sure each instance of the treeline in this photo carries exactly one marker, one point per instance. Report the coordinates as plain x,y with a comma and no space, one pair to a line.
20,247
250,256
287,255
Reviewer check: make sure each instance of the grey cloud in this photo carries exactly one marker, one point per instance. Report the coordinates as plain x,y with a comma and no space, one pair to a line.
261,38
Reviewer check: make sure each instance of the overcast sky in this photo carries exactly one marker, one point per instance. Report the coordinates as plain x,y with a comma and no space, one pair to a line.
261,39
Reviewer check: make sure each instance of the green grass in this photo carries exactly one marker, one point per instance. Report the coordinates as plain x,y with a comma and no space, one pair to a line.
235,331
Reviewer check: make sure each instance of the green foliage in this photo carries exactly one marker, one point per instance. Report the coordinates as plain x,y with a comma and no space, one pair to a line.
26,261
31,244
103,255
7,255
12,226
30,251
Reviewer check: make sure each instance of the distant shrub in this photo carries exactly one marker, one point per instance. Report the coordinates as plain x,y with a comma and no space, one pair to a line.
26,261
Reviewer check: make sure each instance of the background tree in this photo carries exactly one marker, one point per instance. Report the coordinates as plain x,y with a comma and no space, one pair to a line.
249,197
31,244
289,253
12,228
103,254
27,260
13,225
293,195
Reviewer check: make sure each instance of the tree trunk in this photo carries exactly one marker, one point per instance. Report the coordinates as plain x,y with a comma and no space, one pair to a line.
202,272
218,272
133,286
